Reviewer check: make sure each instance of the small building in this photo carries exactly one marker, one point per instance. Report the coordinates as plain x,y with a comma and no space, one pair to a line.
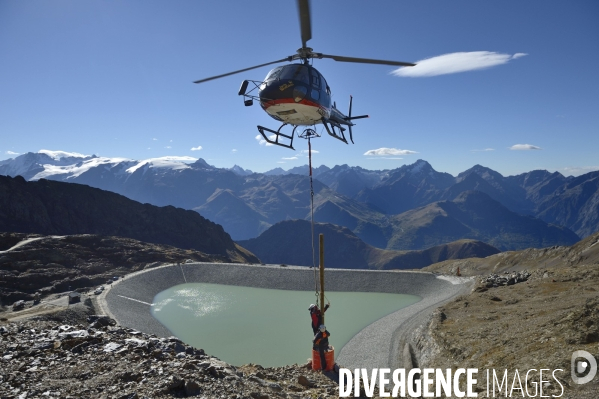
74,297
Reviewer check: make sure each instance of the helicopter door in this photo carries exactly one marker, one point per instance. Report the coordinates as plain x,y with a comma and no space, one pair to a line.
319,89
315,88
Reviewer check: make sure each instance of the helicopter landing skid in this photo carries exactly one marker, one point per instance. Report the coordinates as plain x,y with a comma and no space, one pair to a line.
277,135
332,132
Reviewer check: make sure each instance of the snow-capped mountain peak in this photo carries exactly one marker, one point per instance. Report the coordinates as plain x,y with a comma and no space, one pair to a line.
238,170
170,162
32,163
77,169
419,165
58,155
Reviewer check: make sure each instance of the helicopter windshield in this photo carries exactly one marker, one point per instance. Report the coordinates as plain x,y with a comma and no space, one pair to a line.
272,75
295,72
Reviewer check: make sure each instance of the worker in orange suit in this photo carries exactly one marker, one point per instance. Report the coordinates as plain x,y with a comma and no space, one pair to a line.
321,344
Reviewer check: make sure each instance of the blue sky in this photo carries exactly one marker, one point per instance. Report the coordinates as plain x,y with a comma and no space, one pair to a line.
114,78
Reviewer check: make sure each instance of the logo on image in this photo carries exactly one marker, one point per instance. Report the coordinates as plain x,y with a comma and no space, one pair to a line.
584,367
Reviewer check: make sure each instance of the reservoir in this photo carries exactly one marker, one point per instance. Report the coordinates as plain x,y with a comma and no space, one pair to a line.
269,327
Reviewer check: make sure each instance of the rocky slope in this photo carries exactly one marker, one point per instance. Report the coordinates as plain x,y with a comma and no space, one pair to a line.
53,264
288,242
50,207
73,355
584,251
534,324
537,325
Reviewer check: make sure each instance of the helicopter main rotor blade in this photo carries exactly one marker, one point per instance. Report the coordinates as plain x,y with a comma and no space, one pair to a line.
305,24
363,60
243,70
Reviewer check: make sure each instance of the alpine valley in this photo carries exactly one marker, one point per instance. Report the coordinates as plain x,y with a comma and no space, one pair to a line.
413,207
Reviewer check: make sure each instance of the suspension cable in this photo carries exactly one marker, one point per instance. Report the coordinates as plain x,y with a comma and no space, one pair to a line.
312,221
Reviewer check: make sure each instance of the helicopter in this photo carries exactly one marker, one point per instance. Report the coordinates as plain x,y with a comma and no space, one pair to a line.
297,94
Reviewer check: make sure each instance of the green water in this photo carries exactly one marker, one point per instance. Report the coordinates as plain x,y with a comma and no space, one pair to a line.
243,325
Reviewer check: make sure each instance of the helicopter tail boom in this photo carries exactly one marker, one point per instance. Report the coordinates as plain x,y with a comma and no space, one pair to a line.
357,117
337,119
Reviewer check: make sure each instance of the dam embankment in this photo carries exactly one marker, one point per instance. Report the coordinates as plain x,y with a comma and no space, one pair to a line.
381,344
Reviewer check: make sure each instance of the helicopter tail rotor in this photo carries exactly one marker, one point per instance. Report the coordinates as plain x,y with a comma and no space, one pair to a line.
349,118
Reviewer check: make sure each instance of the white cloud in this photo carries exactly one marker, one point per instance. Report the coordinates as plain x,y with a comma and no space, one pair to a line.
12,153
484,150
198,148
290,158
234,150
306,153
261,140
385,152
579,170
377,158
168,146
524,147
155,139
455,63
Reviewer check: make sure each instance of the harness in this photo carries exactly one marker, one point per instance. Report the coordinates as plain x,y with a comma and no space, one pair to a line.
323,336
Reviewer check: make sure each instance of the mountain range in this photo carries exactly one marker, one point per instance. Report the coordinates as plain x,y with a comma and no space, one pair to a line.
474,215
375,205
289,242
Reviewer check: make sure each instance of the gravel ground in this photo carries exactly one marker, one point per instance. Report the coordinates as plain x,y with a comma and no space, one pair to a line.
74,354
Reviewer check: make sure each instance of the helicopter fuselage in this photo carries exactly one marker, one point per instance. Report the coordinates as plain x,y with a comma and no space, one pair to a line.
296,94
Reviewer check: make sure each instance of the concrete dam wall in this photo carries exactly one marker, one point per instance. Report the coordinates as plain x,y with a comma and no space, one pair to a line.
379,345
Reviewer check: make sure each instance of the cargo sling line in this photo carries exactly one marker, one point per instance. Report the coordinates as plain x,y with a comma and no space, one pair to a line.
316,279
308,134
312,220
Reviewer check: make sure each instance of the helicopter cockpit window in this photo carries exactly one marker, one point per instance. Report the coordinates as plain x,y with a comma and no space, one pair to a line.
315,80
315,93
272,75
295,72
